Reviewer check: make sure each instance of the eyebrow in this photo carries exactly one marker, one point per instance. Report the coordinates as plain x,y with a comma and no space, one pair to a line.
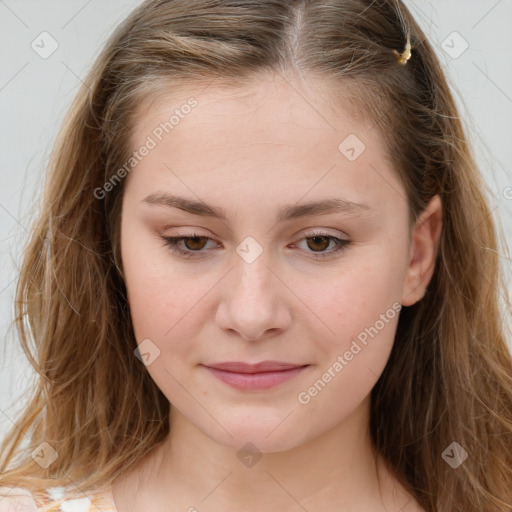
284,213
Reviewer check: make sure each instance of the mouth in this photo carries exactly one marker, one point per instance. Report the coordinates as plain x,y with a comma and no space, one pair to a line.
253,377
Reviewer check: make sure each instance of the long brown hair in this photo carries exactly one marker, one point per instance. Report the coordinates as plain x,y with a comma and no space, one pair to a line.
449,376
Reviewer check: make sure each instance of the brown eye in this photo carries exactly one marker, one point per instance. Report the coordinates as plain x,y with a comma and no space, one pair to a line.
197,242
317,244
188,246
320,243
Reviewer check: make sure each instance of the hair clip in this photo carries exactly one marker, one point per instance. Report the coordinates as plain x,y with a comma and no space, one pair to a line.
402,58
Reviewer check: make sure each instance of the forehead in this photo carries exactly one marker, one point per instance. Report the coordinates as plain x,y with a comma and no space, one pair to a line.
291,92
271,132
271,108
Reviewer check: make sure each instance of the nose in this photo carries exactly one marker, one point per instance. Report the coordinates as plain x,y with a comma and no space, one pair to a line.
254,301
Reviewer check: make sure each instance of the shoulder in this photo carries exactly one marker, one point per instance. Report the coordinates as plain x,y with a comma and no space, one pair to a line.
18,499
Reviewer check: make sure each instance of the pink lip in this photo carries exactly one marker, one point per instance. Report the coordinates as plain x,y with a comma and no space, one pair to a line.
260,376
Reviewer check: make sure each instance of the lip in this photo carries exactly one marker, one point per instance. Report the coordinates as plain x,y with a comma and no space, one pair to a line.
263,366
259,376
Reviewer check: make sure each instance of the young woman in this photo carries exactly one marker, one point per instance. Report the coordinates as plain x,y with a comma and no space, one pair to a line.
265,276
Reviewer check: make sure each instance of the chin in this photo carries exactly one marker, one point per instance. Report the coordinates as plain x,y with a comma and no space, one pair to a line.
261,438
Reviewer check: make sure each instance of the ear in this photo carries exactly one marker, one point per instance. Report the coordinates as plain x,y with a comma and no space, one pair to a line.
424,246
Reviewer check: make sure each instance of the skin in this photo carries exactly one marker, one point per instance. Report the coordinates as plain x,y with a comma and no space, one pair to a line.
251,150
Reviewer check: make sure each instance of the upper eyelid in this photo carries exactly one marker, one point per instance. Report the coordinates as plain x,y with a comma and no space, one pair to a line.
197,231
304,233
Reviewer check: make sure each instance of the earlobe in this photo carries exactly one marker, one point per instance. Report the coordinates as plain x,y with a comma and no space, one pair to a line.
424,248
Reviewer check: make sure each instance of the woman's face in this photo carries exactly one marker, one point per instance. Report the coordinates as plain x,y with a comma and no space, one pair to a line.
303,257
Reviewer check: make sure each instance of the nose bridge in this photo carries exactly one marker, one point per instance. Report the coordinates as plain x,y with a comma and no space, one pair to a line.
253,275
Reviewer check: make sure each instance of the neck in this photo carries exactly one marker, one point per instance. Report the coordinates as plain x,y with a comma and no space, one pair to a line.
191,471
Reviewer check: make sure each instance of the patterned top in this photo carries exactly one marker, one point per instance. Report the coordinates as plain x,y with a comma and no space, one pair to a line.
17,499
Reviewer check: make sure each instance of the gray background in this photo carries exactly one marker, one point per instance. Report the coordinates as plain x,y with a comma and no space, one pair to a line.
35,93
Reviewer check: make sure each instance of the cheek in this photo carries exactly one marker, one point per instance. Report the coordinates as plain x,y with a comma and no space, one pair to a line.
364,322
159,295
359,312
163,306
354,295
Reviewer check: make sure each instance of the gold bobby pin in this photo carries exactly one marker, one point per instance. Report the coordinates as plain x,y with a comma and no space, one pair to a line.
402,58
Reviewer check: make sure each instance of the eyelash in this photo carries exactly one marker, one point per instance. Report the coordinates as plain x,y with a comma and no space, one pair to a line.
173,241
